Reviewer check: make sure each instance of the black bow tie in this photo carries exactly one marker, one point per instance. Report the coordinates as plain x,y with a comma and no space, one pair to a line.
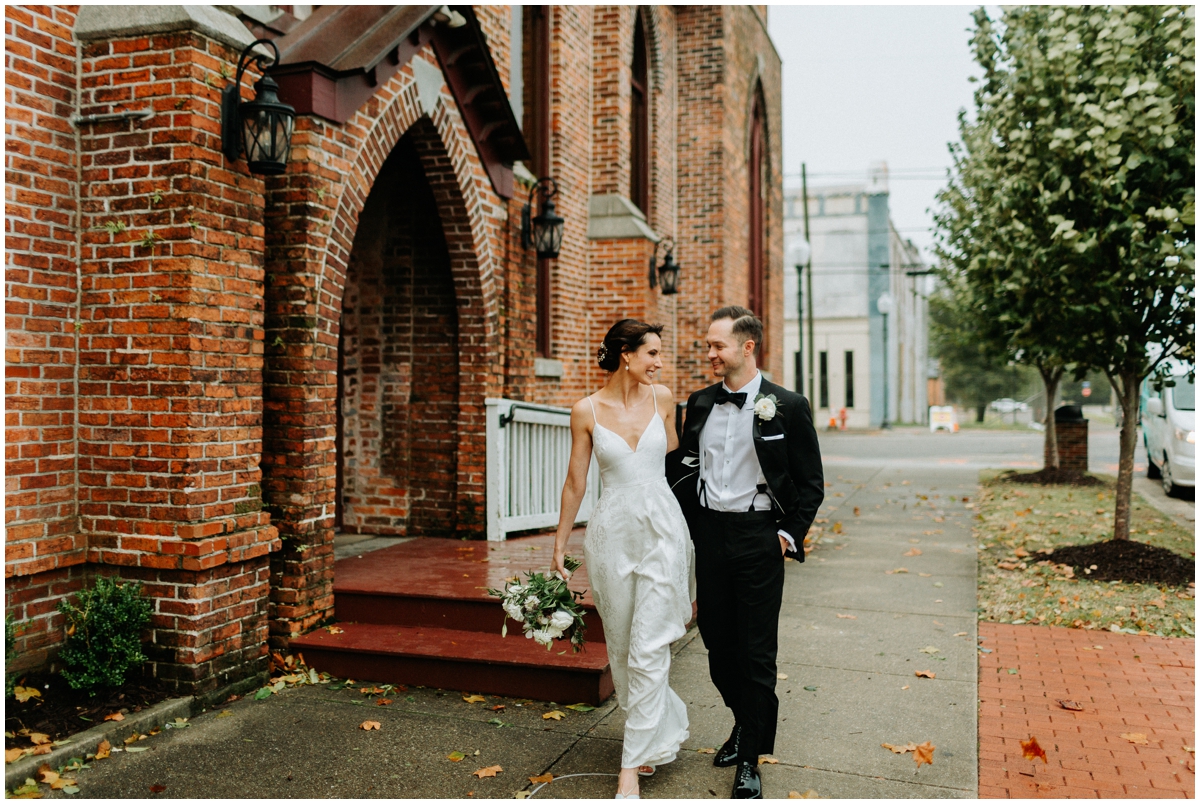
739,399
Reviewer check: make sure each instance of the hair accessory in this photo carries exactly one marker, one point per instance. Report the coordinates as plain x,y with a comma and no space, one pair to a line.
602,353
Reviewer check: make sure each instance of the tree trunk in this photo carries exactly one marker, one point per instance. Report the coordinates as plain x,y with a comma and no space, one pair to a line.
1130,397
1050,379
979,411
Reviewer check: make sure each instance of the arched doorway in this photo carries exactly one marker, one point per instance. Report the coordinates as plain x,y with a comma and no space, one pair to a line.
398,389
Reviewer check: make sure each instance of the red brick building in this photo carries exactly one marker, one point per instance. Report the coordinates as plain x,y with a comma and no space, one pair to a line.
209,372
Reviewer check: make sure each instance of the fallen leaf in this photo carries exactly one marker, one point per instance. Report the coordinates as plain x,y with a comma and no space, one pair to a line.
706,750
895,571
923,754
371,690
474,699
135,749
333,629
225,713
46,775
926,674
554,715
961,633
456,756
1007,565
781,676
925,574
930,649
521,794
23,694
900,749
1031,750
913,552
811,689
28,790
104,750
115,716
837,527
70,789
847,616
497,708
133,738
545,778
367,725
157,788
384,702
1020,552
904,687
13,754
44,748
810,793
1137,738
768,761
581,707
1074,706
856,511
37,738
484,773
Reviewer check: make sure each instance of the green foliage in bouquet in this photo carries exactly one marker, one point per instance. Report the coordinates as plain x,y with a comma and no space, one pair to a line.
545,607
104,634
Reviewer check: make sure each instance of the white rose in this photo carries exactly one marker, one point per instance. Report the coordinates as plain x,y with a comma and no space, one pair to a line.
764,409
514,611
555,633
561,620
532,603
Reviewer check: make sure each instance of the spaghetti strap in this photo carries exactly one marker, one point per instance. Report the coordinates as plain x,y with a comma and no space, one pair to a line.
593,407
654,394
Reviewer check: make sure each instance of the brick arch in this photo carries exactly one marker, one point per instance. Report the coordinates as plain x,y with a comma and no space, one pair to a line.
652,17
312,217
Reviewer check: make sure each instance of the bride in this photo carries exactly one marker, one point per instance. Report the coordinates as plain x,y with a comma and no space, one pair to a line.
638,551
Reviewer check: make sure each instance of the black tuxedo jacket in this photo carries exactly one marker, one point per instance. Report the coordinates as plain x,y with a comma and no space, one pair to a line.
787,451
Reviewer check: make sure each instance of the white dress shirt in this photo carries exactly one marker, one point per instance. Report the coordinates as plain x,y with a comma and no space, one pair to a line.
729,467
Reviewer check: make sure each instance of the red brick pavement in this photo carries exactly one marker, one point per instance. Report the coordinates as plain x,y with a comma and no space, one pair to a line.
1126,684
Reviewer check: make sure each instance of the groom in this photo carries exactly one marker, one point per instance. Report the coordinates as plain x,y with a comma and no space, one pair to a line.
748,477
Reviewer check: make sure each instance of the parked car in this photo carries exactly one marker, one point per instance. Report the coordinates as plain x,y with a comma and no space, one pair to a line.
1169,432
1007,405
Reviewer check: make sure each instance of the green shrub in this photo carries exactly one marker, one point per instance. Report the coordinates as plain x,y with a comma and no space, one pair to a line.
10,642
104,630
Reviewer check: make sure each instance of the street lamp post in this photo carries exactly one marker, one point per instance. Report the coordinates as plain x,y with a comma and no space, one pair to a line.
800,255
886,305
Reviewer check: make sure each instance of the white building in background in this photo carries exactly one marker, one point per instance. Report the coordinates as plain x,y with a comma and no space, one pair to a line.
857,257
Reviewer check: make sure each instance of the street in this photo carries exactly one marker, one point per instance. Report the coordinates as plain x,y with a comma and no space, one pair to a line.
890,591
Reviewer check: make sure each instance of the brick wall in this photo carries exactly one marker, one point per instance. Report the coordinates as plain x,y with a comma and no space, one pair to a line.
41,307
399,362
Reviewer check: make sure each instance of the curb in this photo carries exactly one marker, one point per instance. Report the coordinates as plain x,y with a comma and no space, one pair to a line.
86,742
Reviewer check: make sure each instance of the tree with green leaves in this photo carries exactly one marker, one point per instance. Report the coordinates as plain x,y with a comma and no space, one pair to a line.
972,367
1072,214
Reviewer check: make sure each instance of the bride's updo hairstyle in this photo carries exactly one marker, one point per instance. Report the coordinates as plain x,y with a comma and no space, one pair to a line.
625,336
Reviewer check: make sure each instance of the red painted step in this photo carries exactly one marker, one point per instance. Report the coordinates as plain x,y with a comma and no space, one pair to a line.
443,583
471,660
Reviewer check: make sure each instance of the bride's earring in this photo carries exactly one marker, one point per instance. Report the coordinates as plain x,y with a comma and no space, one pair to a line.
627,365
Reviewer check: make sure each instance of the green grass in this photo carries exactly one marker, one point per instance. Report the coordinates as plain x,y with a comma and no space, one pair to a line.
1018,523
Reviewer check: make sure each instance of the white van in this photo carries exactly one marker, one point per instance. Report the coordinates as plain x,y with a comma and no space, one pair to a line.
1169,430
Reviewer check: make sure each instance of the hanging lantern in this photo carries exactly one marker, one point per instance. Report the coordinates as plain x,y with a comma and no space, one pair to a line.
545,231
667,274
262,128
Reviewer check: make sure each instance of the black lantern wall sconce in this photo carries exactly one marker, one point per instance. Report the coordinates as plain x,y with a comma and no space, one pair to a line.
666,274
261,127
545,231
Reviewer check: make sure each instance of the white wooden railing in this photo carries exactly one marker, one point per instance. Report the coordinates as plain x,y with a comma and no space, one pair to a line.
528,449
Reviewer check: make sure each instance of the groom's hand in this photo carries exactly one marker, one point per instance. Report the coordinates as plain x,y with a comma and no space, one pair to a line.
783,546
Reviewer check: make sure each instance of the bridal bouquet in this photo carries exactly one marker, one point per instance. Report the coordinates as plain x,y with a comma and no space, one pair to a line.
544,606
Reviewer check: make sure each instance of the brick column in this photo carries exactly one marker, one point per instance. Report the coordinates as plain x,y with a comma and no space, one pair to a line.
1072,445
171,344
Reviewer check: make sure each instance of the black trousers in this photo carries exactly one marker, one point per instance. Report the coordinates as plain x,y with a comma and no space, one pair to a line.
739,589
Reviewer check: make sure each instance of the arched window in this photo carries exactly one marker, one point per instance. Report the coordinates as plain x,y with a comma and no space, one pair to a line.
639,121
758,203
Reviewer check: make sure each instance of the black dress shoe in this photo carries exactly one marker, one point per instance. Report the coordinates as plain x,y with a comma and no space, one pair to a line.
727,756
747,783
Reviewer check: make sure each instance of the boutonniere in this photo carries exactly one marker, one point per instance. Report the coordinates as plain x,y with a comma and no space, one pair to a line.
765,406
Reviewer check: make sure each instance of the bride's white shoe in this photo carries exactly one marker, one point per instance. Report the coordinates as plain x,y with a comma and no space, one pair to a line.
629,795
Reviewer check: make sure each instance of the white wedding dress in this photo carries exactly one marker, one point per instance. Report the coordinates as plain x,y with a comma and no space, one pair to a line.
640,563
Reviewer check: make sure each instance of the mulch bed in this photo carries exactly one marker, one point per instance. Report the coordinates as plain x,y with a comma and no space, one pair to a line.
62,711
1053,477
1127,560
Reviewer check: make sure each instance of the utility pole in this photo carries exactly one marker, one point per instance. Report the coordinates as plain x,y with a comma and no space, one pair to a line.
812,342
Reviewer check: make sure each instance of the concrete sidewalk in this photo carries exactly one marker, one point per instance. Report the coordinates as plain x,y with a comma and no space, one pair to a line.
305,742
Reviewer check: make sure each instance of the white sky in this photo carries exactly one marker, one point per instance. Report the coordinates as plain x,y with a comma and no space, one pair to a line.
875,83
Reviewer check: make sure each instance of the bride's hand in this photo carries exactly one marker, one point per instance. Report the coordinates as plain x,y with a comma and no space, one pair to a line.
560,565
